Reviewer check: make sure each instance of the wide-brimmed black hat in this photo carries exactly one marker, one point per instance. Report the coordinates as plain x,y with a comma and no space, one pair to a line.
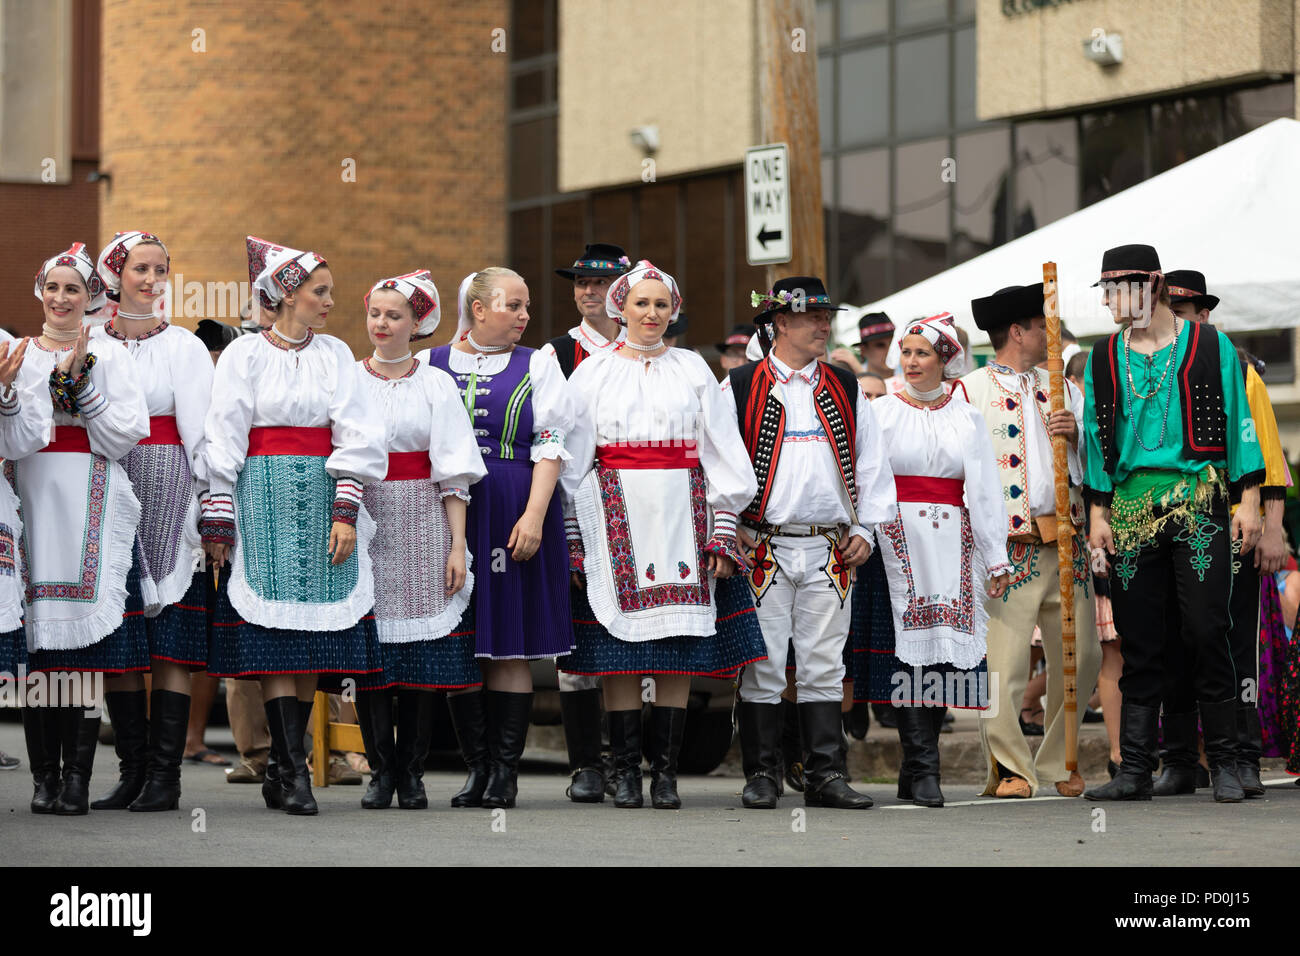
791,293
1015,303
875,325
598,259
1189,284
740,335
215,335
1128,262
677,326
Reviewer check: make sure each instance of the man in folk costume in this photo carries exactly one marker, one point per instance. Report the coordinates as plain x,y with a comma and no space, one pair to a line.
1178,722
1168,431
1014,396
599,264
823,477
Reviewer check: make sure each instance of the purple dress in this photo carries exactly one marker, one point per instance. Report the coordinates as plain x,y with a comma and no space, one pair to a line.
520,610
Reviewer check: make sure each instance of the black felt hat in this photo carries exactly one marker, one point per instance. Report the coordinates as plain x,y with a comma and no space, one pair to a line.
1187,284
677,327
740,335
875,325
791,293
215,335
1015,303
598,259
1128,262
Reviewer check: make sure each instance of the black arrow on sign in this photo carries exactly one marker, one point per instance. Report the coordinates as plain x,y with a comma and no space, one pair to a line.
764,235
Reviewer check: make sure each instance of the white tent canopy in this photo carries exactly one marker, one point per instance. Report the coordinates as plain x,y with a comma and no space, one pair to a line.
1230,213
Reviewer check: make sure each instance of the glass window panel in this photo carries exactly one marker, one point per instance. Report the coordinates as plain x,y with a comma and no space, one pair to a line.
532,158
658,219
527,37
963,43
826,100
526,231
1184,129
919,13
1248,109
863,92
921,201
963,9
1275,348
611,220
860,18
862,227
530,89
706,245
567,242
825,22
981,193
921,86
1113,152
1047,173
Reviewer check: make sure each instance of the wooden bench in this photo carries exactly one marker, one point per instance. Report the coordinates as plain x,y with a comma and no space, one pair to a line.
326,736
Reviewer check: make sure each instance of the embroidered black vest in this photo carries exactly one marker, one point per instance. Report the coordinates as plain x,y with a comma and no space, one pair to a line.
762,424
568,352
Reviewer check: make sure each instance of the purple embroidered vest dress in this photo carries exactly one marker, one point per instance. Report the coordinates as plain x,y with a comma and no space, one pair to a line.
520,609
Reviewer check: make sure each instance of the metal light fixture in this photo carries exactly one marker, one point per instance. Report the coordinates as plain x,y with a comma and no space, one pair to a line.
1104,49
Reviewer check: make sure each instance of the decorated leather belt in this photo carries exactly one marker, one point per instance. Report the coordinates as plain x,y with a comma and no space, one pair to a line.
290,441
69,439
162,431
938,491
408,466
633,455
790,530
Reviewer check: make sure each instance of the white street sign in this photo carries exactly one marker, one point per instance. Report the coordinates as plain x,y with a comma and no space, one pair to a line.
767,204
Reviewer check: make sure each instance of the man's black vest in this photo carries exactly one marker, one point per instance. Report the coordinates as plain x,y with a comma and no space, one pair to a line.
568,352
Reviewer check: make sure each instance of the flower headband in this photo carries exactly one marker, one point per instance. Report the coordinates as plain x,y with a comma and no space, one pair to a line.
780,300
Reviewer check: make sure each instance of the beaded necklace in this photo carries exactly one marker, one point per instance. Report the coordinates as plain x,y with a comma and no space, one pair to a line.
1132,389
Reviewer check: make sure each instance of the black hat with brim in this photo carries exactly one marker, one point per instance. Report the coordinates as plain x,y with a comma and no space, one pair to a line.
875,325
1123,263
215,335
598,259
740,335
1188,284
677,327
1016,303
794,293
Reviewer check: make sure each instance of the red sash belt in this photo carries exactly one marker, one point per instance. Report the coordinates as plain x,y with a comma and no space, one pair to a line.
408,466
939,491
634,455
290,441
69,438
162,431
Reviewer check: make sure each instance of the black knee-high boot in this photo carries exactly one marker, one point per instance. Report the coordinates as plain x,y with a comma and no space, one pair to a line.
1137,747
128,714
625,742
469,718
79,738
1178,755
918,735
285,717
375,715
41,727
414,729
1250,746
507,730
669,724
760,750
168,722
580,711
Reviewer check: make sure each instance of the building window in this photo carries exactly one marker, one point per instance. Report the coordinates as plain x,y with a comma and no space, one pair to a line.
921,86
1046,179
864,96
1276,347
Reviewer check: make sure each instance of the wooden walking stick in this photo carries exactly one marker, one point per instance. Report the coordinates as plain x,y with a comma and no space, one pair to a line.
1065,534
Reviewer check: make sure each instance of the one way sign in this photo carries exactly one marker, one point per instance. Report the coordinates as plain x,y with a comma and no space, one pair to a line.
767,204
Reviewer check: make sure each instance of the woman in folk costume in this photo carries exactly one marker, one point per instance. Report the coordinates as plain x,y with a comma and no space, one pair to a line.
165,469
64,453
943,552
293,438
520,412
422,578
653,528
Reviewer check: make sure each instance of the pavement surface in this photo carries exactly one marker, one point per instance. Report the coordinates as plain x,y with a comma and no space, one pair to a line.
223,824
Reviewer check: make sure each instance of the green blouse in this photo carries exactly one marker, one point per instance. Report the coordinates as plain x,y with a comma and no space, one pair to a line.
1243,454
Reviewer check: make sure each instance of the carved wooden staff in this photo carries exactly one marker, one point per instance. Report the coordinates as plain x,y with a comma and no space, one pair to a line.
1065,536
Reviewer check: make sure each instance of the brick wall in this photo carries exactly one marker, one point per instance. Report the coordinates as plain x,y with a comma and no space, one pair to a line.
250,137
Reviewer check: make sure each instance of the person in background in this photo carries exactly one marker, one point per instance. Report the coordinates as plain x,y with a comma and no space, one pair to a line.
676,332
731,350
872,385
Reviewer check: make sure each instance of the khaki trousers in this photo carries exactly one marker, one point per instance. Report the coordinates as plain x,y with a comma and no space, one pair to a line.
247,716
1036,599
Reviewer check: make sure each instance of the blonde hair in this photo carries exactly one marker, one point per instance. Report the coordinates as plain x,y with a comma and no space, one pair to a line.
478,287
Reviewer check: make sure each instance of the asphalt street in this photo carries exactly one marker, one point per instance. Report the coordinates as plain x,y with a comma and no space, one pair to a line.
224,824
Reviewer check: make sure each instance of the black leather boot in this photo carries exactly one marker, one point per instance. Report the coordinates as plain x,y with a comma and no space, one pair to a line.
41,727
1219,724
625,742
375,715
127,711
1178,756
80,737
271,791
169,719
507,729
918,736
285,717
791,746
580,711
414,730
1250,747
669,724
469,718
760,753
1137,748
823,742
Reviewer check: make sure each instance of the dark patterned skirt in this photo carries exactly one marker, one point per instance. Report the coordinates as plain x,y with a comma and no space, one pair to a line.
521,608
447,663
124,651
247,651
179,633
13,654
872,619
738,642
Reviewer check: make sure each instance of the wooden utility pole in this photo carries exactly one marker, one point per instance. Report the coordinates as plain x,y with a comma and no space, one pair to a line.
787,113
